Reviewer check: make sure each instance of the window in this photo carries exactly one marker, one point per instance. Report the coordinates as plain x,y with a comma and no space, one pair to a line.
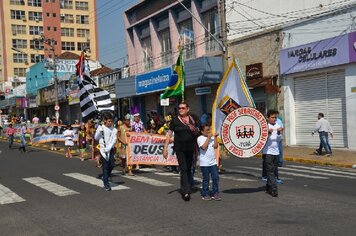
19,58
82,6
36,30
82,46
166,49
68,46
20,72
54,29
18,15
36,58
187,38
66,4
48,14
147,53
67,18
35,16
54,15
18,29
80,19
17,2
211,23
34,3
83,33
19,43
36,44
67,32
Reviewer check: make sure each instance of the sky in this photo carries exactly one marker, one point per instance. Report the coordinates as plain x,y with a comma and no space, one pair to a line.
112,46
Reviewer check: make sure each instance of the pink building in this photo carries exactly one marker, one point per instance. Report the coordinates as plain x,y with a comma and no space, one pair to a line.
154,29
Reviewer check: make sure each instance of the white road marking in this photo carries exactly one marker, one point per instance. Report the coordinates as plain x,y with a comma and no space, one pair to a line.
236,179
94,181
7,196
147,180
54,188
288,173
319,173
324,170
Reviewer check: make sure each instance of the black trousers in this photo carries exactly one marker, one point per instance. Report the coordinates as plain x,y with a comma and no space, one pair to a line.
185,161
108,166
271,163
264,172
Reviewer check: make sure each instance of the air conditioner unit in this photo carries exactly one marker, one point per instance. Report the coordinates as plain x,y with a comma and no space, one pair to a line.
23,18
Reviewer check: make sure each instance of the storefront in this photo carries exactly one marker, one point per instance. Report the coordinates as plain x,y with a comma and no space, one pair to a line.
318,77
143,91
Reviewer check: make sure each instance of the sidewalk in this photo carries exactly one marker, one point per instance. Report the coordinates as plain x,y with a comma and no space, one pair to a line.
339,158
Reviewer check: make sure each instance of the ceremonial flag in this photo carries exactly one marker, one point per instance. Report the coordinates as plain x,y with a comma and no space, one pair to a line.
231,94
176,84
92,99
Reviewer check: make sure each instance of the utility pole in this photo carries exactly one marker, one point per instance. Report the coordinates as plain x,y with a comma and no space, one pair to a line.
223,32
51,43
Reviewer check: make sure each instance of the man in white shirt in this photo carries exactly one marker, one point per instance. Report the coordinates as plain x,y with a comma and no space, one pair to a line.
323,127
106,134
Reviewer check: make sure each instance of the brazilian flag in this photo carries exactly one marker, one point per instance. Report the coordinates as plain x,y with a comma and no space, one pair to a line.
176,84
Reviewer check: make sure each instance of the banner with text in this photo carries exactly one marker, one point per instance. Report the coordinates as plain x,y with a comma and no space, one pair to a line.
50,133
148,150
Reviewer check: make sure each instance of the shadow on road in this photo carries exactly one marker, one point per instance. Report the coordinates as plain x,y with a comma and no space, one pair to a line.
244,190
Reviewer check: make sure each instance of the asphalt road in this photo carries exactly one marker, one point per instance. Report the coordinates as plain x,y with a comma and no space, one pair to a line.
44,193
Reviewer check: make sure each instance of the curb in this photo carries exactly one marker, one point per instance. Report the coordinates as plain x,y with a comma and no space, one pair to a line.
308,161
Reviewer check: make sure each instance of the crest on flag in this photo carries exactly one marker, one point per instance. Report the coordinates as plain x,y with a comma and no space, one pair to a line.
232,94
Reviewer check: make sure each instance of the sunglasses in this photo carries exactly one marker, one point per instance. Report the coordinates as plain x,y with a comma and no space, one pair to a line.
182,108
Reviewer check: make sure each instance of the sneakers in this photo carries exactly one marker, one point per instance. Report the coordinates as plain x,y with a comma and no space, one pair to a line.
264,179
274,193
327,155
186,197
216,197
107,188
206,198
279,181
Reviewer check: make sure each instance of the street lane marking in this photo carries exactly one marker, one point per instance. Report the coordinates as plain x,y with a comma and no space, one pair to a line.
288,173
94,181
7,196
319,173
324,170
146,180
51,187
236,179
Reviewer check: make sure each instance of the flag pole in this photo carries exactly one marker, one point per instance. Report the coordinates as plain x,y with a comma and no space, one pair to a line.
180,56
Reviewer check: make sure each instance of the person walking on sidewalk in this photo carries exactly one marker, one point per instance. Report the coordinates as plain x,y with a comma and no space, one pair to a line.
185,139
106,134
10,133
23,132
323,127
207,143
270,152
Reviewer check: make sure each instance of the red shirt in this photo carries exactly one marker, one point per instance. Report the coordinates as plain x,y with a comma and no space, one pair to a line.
10,131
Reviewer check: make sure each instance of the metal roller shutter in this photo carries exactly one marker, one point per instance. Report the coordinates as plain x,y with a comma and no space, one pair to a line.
324,93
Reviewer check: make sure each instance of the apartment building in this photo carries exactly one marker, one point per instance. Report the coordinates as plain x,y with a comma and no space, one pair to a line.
63,25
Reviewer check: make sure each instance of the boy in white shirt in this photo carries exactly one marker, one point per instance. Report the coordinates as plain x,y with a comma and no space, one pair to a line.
68,135
271,152
106,134
207,143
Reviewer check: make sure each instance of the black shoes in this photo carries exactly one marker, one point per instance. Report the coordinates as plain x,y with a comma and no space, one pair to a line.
186,197
273,193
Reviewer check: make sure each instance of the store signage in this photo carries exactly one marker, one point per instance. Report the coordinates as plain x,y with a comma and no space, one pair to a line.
254,71
244,132
21,102
324,53
202,90
153,81
48,94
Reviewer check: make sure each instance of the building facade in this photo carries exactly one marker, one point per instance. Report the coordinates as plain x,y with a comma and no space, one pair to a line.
67,25
154,30
319,75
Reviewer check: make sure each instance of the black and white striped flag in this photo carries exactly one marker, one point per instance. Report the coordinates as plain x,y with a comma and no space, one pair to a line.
93,100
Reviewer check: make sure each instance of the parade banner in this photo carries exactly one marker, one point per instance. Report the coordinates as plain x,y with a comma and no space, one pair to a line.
50,133
147,149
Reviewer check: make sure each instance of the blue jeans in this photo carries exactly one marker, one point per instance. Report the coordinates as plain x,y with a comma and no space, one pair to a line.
11,140
107,166
207,171
23,141
324,142
280,157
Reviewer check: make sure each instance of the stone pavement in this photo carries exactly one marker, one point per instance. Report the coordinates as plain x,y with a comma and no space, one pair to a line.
340,157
